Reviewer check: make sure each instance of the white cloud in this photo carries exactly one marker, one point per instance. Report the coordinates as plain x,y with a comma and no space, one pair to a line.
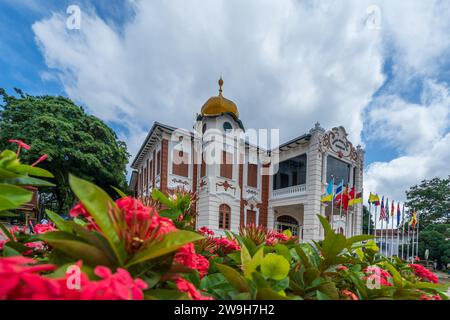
285,63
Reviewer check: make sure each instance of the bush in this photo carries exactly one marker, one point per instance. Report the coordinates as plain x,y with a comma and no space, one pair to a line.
151,251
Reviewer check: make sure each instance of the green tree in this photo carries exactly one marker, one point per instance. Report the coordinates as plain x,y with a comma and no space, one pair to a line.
366,221
436,238
74,141
431,200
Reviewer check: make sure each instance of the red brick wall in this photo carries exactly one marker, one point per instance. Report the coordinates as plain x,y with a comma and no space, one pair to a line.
194,172
164,164
153,168
263,208
241,185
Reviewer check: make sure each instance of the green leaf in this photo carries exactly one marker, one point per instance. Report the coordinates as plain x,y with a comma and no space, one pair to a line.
119,192
6,232
281,249
326,225
269,294
234,278
250,264
33,171
165,294
170,242
7,214
159,196
275,266
98,204
358,238
12,197
27,181
60,223
322,296
76,247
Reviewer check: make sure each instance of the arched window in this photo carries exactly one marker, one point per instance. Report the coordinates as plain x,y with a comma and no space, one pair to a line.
287,223
224,216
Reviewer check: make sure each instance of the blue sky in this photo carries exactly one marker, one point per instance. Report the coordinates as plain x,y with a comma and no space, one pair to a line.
296,62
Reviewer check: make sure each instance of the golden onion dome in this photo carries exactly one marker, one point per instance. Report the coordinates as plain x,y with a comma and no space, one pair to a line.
218,105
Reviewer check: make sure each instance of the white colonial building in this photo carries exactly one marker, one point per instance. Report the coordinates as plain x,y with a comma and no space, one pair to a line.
239,183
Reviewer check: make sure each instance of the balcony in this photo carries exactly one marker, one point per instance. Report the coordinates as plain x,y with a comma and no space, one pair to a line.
289,192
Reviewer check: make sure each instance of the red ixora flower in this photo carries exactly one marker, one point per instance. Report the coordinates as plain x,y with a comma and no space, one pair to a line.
430,297
186,256
143,223
43,228
349,294
185,286
20,278
423,273
20,145
206,231
41,158
341,268
379,275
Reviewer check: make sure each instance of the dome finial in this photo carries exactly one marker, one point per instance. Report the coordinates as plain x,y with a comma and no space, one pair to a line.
220,85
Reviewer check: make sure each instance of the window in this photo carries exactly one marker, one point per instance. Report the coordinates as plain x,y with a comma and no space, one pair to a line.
147,175
203,166
150,175
180,163
158,162
251,217
252,175
337,169
287,223
291,172
226,167
227,126
224,216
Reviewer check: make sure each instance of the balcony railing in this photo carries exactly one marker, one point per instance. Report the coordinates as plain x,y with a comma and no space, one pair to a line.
289,192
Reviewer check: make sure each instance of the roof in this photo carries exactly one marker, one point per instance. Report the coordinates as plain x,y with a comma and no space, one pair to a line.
156,128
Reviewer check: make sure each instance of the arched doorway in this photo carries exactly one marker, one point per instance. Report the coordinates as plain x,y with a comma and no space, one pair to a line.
286,222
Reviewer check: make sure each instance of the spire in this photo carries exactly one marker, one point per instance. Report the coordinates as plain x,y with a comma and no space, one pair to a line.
220,85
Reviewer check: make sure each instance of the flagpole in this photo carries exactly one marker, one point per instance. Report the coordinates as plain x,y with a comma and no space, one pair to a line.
407,243
398,234
392,231
332,203
370,216
417,238
413,249
381,233
403,230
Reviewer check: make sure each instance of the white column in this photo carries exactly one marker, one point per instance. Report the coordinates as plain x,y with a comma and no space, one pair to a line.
314,188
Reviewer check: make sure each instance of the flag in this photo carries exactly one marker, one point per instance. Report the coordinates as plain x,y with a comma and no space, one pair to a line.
374,199
345,199
329,195
338,193
339,189
382,210
354,198
399,214
387,210
392,209
413,221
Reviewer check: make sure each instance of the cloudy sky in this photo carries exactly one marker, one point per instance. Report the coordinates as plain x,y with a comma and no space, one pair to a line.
381,69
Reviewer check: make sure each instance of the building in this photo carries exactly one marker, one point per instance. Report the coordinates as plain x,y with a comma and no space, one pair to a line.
238,182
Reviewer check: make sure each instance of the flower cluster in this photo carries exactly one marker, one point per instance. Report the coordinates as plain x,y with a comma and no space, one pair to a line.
43,228
20,278
379,275
186,256
423,273
213,245
349,295
274,237
430,297
185,286
142,223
